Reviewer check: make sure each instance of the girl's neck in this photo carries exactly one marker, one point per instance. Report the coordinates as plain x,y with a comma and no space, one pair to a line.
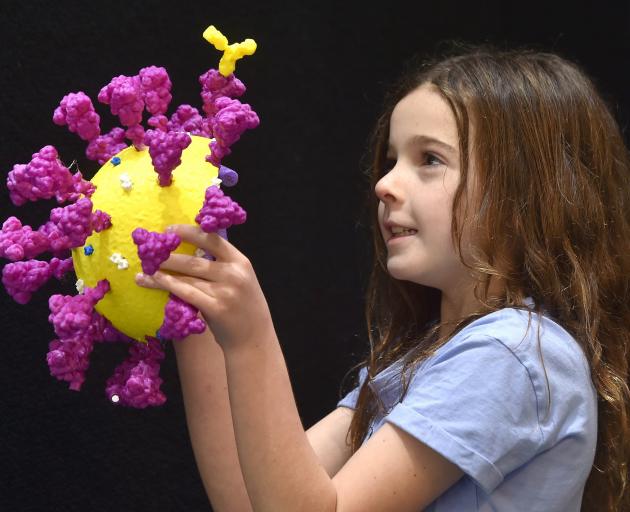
463,303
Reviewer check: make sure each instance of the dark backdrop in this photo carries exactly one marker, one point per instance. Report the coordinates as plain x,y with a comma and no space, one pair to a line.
316,81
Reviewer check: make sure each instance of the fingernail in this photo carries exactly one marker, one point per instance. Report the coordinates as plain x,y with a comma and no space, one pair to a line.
139,277
170,229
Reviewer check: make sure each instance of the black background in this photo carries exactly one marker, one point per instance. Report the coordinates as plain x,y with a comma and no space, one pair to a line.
317,81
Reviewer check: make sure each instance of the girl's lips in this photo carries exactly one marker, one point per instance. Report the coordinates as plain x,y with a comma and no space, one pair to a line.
396,239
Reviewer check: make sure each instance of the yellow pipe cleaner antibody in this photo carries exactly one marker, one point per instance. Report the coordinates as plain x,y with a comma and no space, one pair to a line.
231,53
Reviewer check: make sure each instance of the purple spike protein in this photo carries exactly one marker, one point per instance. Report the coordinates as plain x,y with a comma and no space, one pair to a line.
154,248
43,177
136,381
18,242
23,278
123,94
227,126
159,122
135,134
77,112
180,319
100,221
103,147
219,211
214,85
76,324
69,226
166,149
187,119
156,89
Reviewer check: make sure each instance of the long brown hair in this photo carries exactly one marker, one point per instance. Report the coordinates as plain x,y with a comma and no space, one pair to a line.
555,176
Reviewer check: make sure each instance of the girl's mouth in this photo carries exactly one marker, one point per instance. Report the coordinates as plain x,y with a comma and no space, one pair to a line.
399,234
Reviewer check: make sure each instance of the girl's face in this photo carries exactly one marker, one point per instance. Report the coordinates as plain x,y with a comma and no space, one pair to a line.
416,194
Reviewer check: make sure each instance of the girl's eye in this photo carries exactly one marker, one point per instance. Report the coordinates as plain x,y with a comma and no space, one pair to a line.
429,157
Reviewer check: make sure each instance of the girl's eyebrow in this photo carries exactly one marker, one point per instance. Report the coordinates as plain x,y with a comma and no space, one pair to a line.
426,139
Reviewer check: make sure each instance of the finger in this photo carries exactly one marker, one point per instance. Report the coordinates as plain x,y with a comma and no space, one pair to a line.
194,266
220,248
184,287
164,280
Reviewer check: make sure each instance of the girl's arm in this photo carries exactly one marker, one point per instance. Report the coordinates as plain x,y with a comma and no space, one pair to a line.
393,471
201,367
281,469
328,439
204,387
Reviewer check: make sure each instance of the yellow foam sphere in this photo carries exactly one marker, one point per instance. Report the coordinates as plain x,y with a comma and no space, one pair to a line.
134,310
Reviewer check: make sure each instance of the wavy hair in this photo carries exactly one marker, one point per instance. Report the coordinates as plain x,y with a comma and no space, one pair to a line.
556,186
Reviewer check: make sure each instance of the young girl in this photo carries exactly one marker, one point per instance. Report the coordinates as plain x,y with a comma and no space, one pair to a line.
498,313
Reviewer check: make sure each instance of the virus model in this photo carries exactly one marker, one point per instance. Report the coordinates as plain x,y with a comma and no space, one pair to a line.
113,225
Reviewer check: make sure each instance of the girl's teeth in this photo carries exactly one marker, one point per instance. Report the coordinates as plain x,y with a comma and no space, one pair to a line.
404,232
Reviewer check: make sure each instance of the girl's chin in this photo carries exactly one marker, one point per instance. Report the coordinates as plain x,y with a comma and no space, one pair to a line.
399,272
404,273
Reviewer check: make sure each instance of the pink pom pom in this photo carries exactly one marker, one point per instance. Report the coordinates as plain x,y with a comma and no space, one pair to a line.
59,267
187,119
159,122
69,360
42,178
81,186
156,89
214,85
100,221
23,278
123,94
71,316
166,150
180,320
77,325
217,153
136,382
219,211
76,111
103,147
69,226
135,134
154,248
227,125
18,242
106,332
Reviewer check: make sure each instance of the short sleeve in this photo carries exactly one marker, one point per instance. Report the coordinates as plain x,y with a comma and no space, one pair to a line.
350,400
475,405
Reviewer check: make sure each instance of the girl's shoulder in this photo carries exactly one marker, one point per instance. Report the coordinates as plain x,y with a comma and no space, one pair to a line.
536,346
533,338
510,386
511,343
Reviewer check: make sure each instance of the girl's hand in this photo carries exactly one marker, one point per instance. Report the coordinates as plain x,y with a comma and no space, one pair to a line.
225,291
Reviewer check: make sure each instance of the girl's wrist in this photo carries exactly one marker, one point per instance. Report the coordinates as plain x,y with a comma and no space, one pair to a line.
259,340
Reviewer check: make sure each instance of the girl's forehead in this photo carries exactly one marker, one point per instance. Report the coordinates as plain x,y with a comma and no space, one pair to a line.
423,112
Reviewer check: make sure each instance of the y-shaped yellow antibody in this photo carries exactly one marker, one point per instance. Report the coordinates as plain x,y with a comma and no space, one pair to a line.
231,53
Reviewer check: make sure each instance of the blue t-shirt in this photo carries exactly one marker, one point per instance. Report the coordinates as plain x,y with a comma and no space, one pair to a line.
482,402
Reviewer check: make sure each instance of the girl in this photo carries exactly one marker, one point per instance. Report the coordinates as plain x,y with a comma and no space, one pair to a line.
497,311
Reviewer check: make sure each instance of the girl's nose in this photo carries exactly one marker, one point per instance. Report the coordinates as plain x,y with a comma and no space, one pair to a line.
386,189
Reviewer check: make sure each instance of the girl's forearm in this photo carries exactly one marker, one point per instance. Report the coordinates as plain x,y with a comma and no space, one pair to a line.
281,470
204,386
